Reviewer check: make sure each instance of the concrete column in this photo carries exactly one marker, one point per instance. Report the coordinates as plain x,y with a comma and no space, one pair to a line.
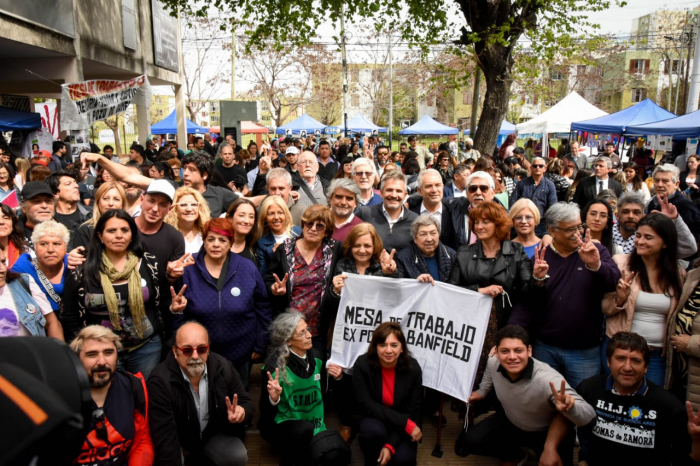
143,116
180,114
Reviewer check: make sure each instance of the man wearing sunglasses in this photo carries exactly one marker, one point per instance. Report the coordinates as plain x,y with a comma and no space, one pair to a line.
119,433
539,190
363,176
198,406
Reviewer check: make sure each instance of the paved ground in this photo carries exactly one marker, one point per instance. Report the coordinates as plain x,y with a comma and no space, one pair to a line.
260,452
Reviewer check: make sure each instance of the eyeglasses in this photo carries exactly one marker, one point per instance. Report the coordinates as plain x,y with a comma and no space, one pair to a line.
568,231
315,226
188,350
364,174
302,334
382,153
184,205
98,416
476,187
537,165
306,162
524,218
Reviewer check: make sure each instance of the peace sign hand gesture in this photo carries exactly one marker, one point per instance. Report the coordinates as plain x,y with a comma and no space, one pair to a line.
387,261
541,267
274,389
562,401
177,268
236,414
588,252
666,207
624,288
280,286
179,302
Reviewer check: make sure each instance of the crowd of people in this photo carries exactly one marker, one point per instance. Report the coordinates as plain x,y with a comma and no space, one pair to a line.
173,275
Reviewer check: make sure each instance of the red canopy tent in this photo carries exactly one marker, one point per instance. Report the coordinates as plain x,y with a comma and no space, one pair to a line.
248,127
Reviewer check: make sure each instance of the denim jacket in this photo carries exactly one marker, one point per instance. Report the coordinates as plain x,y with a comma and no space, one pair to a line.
27,309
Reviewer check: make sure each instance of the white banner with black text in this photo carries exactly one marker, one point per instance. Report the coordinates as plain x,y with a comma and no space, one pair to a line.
444,326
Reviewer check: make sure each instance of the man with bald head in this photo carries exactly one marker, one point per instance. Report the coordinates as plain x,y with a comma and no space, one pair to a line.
198,406
539,190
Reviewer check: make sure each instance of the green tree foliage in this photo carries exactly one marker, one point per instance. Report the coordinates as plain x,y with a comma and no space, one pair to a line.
488,30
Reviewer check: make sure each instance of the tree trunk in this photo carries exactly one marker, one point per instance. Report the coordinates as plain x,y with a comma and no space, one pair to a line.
496,63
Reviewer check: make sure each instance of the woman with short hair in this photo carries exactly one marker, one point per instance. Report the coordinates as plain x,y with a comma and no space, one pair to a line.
293,366
525,216
301,269
50,241
427,259
189,214
388,384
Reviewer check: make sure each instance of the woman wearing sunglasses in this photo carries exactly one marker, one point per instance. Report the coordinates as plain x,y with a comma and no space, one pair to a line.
190,214
301,270
226,294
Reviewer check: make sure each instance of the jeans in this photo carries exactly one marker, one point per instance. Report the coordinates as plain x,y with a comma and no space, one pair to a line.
141,360
656,372
576,365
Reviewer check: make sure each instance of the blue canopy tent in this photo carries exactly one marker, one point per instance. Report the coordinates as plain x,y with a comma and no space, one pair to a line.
506,129
303,123
619,122
686,126
360,124
428,126
168,125
11,120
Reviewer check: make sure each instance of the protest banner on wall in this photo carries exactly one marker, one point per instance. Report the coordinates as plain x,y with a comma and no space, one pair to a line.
444,325
89,101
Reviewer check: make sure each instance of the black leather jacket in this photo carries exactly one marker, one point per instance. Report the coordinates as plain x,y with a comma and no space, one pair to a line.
511,269
560,184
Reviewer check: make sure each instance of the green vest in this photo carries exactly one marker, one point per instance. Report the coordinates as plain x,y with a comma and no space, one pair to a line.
301,399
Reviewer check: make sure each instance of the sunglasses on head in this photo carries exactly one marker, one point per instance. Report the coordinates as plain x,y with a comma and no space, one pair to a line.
188,350
474,188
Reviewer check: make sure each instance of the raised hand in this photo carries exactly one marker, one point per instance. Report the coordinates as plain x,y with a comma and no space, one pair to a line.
87,158
588,252
236,414
562,401
693,421
179,302
666,207
387,261
279,288
274,389
624,288
177,268
339,282
541,267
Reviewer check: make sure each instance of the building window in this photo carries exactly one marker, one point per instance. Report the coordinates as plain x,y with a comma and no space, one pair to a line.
354,75
214,107
265,105
467,97
638,95
159,113
355,100
158,101
639,66
215,118
555,75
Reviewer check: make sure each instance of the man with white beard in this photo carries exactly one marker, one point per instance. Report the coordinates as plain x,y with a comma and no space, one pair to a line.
194,380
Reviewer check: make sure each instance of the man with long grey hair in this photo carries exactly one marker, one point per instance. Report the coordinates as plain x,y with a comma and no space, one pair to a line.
568,299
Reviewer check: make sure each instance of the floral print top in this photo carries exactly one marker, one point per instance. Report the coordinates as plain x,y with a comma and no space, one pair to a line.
307,292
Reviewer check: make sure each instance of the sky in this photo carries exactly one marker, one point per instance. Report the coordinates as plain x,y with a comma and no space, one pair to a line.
612,21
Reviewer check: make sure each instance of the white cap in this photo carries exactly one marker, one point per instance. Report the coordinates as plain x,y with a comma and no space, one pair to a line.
291,150
161,187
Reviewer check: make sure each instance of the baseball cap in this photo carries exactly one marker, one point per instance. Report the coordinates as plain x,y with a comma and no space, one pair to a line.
161,187
34,189
291,150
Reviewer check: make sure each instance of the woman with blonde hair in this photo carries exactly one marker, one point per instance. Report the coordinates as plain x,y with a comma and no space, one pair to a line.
525,216
23,167
110,195
189,215
275,224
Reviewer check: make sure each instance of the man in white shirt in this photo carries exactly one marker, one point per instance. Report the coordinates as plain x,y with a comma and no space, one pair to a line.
424,156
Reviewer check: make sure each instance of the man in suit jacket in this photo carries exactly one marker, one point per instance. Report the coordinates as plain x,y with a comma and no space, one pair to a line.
458,186
589,188
390,218
430,188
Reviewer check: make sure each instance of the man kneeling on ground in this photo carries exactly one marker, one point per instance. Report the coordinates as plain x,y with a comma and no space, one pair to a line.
535,413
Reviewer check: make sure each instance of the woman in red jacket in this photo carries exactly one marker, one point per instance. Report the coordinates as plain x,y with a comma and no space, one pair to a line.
388,384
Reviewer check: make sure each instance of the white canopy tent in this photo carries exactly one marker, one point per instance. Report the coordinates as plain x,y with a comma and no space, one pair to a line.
558,119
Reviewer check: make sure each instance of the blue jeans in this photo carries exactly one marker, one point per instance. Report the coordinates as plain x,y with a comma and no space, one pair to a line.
576,365
141,360
656,372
